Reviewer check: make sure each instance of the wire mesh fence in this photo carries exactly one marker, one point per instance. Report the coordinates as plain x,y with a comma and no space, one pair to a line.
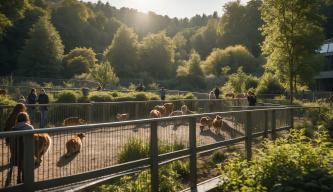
108,145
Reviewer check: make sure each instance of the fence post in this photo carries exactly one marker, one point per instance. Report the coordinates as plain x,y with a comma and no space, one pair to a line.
193,154
248,136
90,114
29,163
266,124
154,156
273,124
136,110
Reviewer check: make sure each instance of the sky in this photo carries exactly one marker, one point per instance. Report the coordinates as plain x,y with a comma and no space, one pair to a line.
172,8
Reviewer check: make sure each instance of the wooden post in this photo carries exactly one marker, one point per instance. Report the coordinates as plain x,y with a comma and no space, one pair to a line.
248,136
266,124
193,154
154,156
273,124
29,163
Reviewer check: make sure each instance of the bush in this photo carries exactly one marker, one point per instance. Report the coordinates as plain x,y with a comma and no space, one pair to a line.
182,168
141,96
291,163
67,96
218,157
181,97
133,150
100,97
269,84
5,100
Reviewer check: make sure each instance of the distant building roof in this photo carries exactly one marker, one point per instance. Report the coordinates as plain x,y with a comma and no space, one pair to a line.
327,47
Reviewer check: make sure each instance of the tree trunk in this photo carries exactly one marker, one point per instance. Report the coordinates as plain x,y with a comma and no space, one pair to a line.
291,78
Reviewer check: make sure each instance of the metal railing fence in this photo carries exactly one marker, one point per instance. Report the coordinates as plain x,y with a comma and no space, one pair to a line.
166,139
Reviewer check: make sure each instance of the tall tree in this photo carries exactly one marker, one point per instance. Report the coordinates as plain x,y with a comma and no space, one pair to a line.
104,74
43,51
292,33
123,52
157,55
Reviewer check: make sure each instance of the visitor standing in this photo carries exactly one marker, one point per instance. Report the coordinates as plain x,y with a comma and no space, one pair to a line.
17,145
217,92
43,99
251,98
162,93
32,100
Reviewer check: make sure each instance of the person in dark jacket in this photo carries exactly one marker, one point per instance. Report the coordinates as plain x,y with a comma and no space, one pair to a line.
251,98
217,92
162,93
17,145
32,100
43,98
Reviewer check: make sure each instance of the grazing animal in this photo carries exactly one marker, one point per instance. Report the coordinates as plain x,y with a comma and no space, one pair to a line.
205,121
161,109
231,95
74,121
168,108
211,95
217,124
154,114
122,117
42,142
74,145
3,92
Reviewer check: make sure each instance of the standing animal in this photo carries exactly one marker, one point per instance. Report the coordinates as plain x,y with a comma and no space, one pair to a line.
217,124
161,109
230,94
168,108
205,121
154,114
211,95
122,117
42,142
70,121
74,145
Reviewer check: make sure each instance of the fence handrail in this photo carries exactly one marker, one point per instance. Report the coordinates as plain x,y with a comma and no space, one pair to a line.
135,122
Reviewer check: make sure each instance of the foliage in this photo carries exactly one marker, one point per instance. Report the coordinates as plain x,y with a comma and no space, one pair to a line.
77,66
292,33
233,57
67,96
5,100
104,74
191,67
44,40
269,84
134,149
240,82
100,97
123,52
289,163
157,55
218,157
181,97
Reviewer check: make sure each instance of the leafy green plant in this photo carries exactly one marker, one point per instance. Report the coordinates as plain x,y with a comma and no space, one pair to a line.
218,157
67,96
5,100
289,163
100,97
134,149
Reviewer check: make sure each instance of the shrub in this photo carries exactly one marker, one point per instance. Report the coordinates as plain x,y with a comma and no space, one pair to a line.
5,100
141,96
67,96
133,150
218,157
181,97
182,168
100,97
269,84
289,163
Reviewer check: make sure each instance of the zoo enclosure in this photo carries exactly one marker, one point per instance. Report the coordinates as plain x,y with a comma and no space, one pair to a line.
245,127
99,112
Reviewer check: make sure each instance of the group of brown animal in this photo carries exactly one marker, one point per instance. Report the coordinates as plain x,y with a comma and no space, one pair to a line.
216,123
167,109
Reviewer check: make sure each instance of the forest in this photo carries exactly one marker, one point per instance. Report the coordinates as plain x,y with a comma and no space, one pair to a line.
236,50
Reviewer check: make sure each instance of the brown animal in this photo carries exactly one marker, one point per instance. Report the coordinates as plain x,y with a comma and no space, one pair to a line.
42,142
168,108
70,121
205,121
217,124
231,95
154,114
122,117
74,145
161,109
